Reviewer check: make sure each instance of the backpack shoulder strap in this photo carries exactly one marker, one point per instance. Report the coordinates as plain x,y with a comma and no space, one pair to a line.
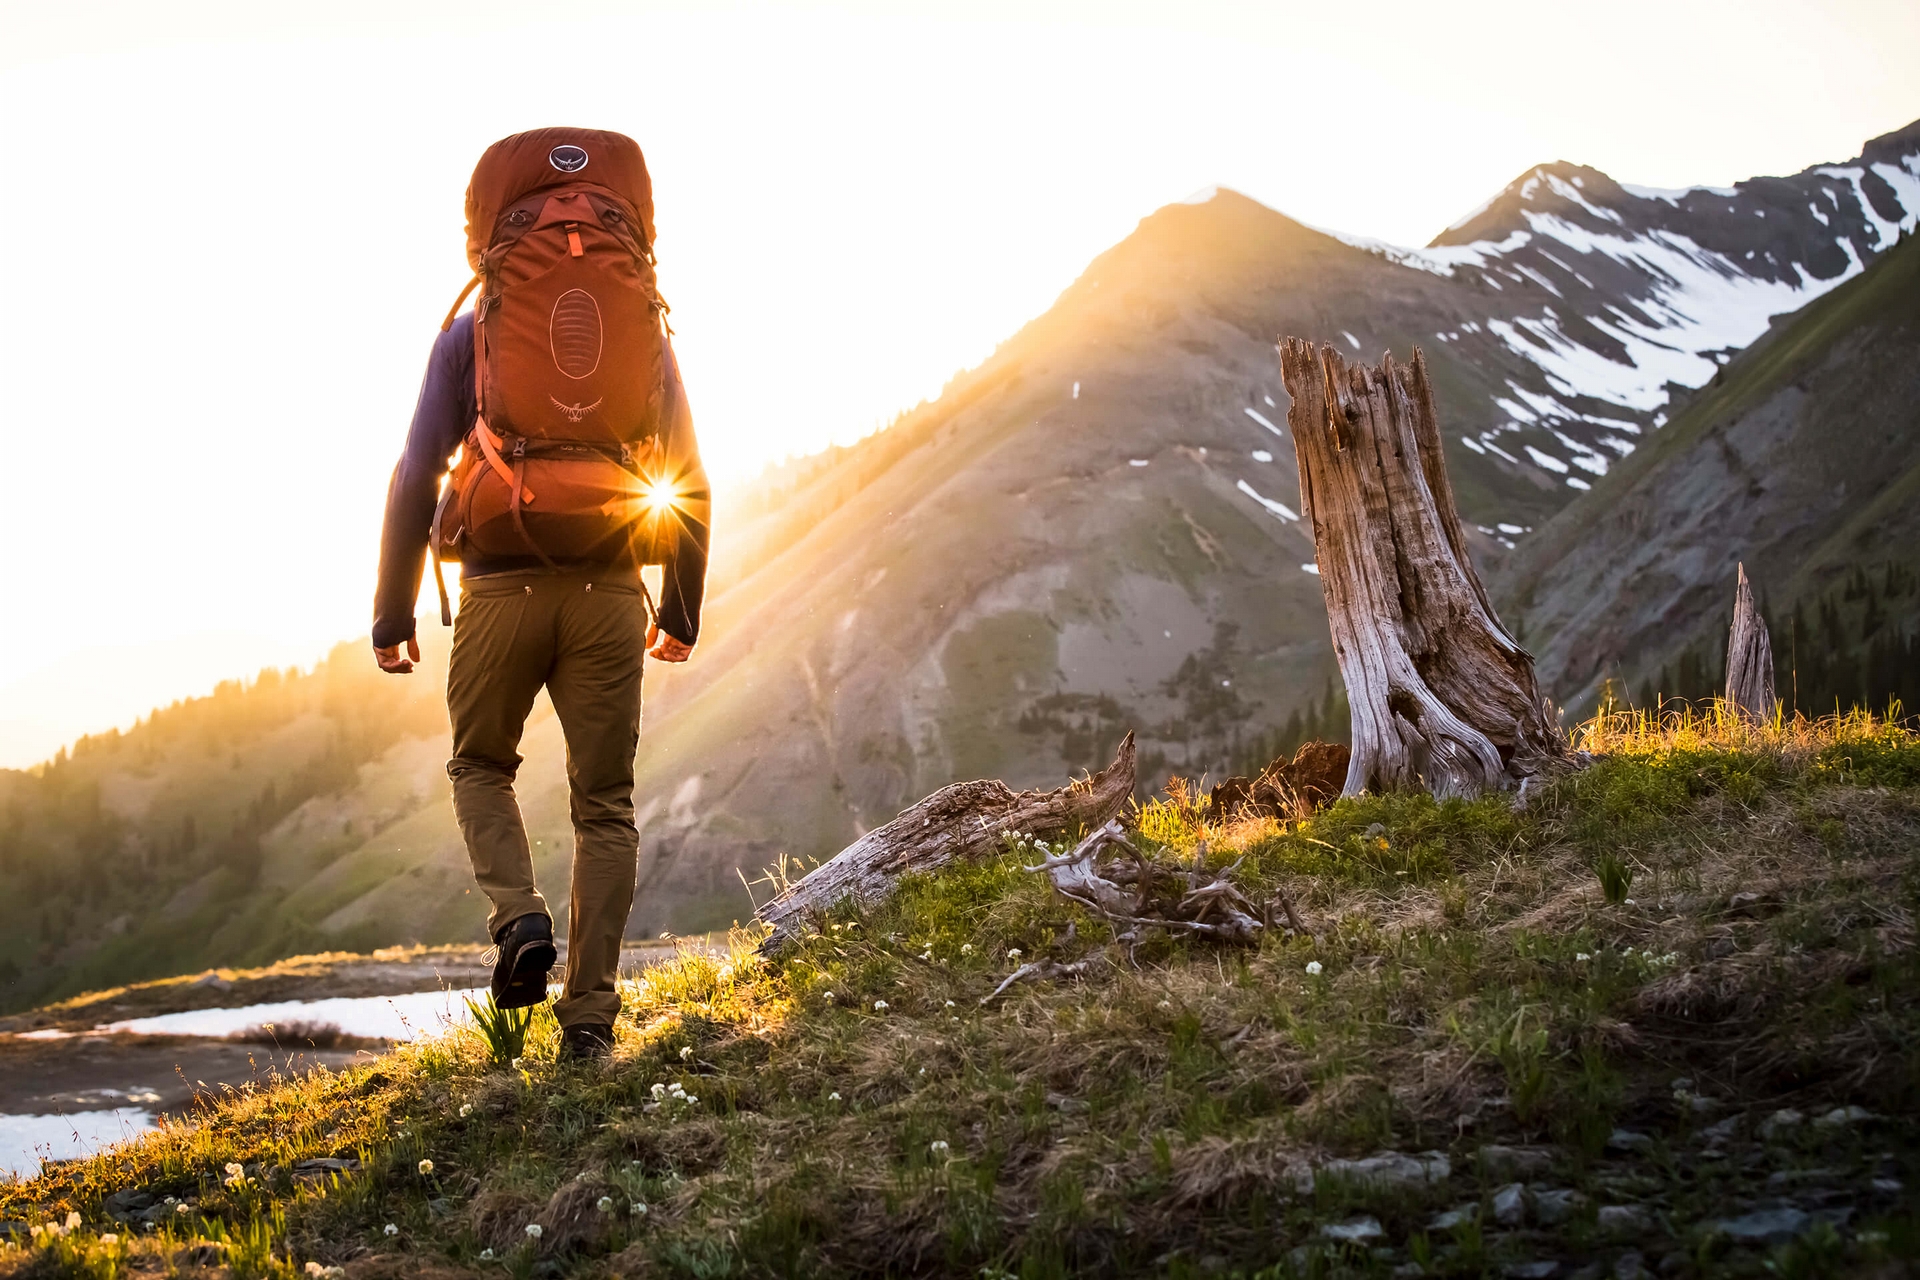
454,310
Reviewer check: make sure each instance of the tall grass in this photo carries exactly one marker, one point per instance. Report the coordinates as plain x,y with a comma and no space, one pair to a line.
503,1031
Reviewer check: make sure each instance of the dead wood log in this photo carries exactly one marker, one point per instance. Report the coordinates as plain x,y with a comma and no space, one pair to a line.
1442,695
1749,657
954,823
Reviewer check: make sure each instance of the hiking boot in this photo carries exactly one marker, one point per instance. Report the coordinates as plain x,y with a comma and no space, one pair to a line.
586,1042
525,954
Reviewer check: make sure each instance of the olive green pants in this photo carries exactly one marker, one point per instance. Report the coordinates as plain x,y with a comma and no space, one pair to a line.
582,636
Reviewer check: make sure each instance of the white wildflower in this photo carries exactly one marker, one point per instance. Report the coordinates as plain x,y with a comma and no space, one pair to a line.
426,1167
466,1109
1582,956
517,1062
234,1170
1629,901
486,1255
686,1053
604,1204
534,1231
659,1092
949,1004
693,1100
170,1200
315,1269
827,996
1313,968
881,1006
1013,953
637,1209
834,1096
183,1207
966,948
391,1229
677,1089
939,1147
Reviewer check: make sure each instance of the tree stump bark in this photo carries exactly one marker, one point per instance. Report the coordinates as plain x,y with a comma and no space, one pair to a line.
1442,695
1749,657
954,823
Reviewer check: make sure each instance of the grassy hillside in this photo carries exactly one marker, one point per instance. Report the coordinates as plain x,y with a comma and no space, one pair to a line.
1802,459
1664,1016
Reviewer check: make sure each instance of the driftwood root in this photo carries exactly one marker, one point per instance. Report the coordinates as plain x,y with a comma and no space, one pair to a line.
1133,893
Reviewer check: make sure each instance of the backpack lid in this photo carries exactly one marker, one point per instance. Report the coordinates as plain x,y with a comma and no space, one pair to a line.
520,165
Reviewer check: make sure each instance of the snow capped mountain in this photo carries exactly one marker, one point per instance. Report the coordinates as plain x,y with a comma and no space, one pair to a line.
1615,296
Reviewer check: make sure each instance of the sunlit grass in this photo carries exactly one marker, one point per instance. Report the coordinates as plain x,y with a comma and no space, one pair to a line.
855,1104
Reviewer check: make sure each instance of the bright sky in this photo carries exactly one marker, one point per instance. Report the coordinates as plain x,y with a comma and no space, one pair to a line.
231,230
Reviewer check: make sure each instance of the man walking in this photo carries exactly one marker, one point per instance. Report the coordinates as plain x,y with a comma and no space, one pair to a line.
577,466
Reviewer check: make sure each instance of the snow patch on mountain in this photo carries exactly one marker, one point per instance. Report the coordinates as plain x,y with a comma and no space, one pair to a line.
1280,509
1673,195
1441,260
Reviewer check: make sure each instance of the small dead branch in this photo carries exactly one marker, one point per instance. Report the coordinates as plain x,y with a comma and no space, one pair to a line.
1188,900
1040,970
953,824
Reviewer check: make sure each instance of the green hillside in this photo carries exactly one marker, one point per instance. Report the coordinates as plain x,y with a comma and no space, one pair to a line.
1662,1018
169,846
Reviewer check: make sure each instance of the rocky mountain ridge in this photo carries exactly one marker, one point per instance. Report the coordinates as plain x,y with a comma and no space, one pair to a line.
1802,460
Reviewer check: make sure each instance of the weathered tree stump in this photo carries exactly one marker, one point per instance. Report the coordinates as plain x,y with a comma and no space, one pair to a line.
1749,657
954,823
1442,696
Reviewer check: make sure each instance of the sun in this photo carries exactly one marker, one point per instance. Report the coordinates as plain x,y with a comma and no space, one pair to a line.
659,494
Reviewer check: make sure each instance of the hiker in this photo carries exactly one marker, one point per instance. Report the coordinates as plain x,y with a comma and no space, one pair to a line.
577,465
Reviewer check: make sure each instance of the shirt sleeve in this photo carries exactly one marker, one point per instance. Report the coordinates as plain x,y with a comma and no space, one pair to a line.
684,575
440,419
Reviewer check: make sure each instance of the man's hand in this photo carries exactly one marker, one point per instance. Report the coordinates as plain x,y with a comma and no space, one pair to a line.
390,660
664,647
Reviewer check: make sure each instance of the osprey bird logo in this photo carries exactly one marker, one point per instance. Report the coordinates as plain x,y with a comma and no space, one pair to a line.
568,158
575,412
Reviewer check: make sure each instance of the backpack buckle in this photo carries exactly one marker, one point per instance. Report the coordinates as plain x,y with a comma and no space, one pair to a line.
520,446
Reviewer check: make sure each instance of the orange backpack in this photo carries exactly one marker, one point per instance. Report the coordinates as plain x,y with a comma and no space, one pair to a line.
569,359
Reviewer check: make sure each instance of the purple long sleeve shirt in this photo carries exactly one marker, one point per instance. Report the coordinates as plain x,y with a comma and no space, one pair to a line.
441,420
